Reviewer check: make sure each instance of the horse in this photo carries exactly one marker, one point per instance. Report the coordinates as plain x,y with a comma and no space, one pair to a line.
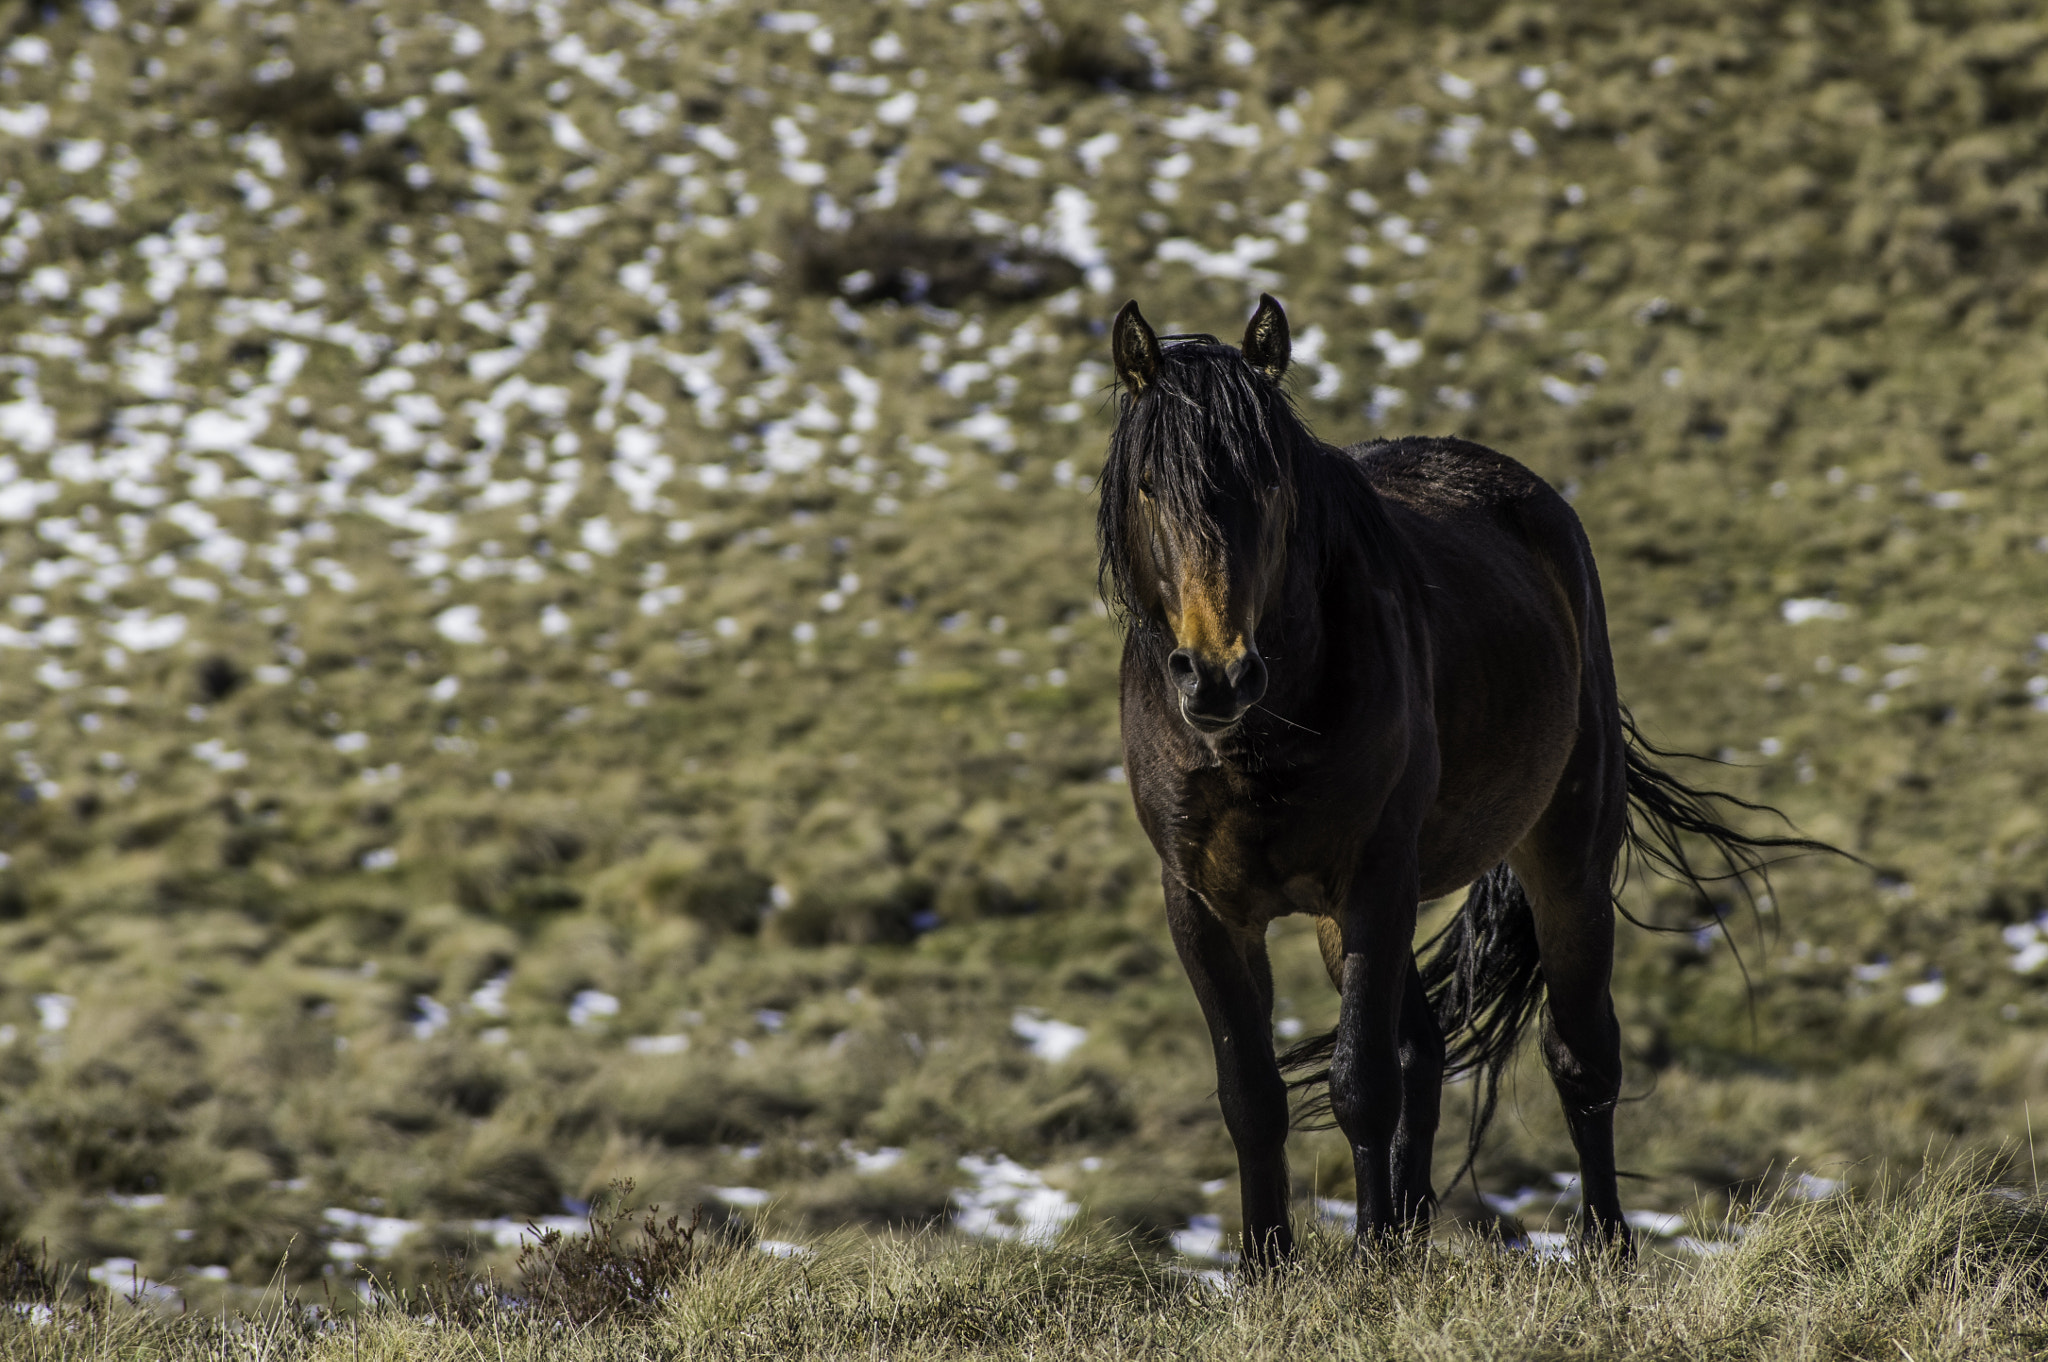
1353,681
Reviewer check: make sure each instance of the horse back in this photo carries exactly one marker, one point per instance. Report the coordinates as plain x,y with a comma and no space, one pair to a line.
1478,504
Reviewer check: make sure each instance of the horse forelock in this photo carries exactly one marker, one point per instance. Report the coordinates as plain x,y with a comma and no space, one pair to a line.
1208,430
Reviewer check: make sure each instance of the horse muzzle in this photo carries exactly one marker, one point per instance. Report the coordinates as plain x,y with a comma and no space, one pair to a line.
1214,694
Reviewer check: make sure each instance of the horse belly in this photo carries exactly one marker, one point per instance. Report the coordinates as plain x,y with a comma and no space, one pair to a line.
1484,808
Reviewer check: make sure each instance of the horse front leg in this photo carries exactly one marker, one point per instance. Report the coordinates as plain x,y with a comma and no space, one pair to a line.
1376,931
1233,981
1422,1091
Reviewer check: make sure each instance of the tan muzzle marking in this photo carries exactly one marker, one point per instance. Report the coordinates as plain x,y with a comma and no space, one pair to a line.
1202,624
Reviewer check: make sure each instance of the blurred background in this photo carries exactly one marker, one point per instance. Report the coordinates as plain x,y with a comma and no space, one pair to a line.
548,627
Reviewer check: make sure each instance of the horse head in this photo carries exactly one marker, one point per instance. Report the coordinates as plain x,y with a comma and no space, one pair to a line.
1198,500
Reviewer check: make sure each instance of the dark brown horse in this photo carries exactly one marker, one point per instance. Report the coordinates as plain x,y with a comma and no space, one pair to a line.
1354,680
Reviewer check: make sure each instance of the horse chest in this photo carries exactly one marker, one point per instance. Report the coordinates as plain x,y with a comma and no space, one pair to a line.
1250,859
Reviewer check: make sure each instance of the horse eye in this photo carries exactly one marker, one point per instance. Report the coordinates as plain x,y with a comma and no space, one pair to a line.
1144,487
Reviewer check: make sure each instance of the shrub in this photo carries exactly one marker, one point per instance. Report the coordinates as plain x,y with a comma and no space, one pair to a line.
1076,50
610,1274
26,1278
898,258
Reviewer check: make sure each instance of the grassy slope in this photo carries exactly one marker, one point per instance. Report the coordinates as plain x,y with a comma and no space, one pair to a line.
1834,397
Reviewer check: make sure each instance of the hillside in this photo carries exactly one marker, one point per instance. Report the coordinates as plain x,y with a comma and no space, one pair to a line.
551,629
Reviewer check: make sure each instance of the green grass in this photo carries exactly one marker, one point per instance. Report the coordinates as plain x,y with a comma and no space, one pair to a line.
376,695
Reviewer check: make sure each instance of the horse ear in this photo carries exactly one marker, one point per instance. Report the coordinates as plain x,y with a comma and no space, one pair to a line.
1266,343
1134,349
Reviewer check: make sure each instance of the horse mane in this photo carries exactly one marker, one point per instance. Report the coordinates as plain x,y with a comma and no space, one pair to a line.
1210,423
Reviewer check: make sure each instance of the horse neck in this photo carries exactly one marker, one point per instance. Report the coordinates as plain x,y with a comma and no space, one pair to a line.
1344,545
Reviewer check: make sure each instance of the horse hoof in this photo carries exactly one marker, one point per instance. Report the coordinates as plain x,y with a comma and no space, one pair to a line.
1608,1240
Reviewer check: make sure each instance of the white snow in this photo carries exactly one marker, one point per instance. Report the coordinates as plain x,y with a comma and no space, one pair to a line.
380,1233
1801,609
1010,1201
1239,262
461,624
898,109
26,121
1810,1187
1215,125
1927,992
591,1006
53,1010
869,1163
1052,1041
1204,1239
141,632
488,997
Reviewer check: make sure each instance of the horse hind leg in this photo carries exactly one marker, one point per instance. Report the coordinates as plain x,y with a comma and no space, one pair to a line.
1566,865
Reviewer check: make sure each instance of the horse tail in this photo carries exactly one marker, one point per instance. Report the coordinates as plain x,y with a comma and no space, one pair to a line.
1484,976
1663,811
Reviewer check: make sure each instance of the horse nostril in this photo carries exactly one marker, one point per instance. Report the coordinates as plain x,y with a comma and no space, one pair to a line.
1249,677
1180,665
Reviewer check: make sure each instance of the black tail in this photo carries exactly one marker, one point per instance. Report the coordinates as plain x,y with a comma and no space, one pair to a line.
1483,971
1485,982
1663,811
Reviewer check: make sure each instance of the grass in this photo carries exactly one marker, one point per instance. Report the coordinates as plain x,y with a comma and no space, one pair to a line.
1940,1268
550,617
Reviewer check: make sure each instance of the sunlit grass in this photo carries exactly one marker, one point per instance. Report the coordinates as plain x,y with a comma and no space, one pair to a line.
1944,1268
